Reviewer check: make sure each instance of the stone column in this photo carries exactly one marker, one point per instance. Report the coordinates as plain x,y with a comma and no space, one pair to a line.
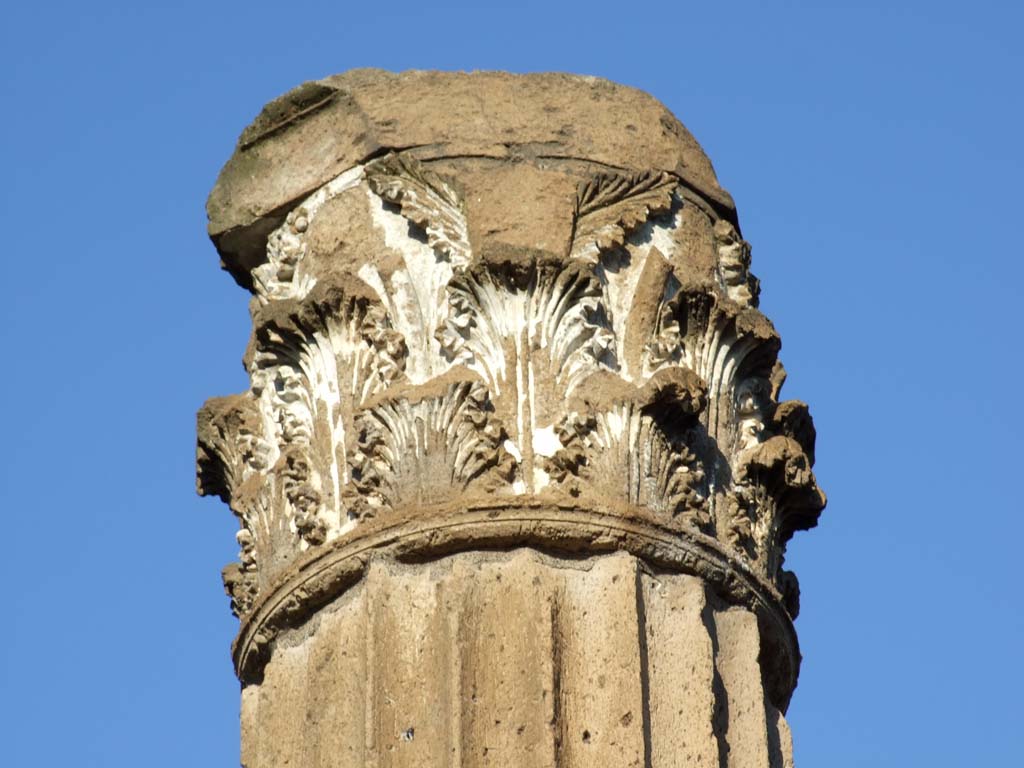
513,478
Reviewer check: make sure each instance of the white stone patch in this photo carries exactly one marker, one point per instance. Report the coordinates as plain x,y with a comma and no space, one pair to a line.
621,284
614,423
658,235
518,487
514,451
546,442
416,301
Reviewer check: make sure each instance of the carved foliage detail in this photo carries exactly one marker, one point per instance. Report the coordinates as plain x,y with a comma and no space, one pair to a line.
611,205
313,364
734,265
636,446
427,200
428,377
285,275
531,335
424,448
231,457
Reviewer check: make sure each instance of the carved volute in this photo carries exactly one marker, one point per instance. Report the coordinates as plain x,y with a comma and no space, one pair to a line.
500,322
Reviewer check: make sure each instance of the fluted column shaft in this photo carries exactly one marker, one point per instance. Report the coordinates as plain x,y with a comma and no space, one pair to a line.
518,659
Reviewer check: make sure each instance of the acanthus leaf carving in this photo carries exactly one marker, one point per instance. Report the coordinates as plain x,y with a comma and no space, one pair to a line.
231,458
227,445
314,362
774,495
284,274
792,418
733,262
241,585
638,287
419,375
726,345
611,205
427,200
780,465
532,334
426,444
637,445
414,291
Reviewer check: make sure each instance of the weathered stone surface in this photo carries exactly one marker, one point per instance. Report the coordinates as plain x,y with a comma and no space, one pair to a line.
741,715
513,477
681,661
517,660
307,137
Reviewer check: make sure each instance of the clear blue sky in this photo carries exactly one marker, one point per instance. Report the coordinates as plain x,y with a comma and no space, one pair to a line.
874,150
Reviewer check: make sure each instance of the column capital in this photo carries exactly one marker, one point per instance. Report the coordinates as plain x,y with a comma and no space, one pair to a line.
494,311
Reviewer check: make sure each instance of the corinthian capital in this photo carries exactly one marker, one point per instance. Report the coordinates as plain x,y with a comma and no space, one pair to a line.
494,312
